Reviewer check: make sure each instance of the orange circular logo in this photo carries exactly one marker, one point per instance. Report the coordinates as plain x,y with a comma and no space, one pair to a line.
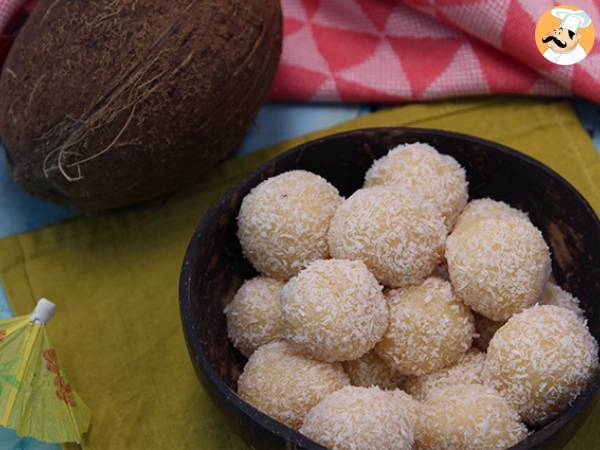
565,35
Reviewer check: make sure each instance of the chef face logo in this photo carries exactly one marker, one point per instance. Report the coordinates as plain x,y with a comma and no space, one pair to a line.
561,40
565,35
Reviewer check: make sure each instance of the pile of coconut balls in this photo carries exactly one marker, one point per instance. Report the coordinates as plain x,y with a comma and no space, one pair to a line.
403,316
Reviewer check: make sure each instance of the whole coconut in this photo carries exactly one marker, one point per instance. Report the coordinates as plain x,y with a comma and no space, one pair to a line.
111,102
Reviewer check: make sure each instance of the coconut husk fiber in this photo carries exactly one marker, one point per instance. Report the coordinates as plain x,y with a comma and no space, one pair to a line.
112,102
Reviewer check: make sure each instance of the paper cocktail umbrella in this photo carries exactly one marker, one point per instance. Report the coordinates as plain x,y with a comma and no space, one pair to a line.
36,399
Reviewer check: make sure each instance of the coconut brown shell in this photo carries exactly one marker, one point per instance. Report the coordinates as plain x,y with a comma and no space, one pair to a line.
112,102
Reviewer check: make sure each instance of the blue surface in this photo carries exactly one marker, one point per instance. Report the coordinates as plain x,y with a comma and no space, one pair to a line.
5,310
20,212
589,115
10,441
281,121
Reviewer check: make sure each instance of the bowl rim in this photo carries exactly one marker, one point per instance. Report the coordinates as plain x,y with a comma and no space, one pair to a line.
281,430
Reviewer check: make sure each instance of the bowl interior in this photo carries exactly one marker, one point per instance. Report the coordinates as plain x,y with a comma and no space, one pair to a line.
214,267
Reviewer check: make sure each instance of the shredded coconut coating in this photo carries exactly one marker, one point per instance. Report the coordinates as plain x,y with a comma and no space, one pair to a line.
551,295
254,315
362,418
486,329
540,361
286,385
557,296
429,329
283,222
468,417
436,177
498,265
485,208
468,370
370,370
334,310
398,235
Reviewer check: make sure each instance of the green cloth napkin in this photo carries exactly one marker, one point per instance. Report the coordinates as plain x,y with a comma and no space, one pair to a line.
114,277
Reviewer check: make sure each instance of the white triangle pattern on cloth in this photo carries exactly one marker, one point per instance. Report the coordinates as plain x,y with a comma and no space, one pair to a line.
407,22
485,18
301,46
382,71
462,76
345,15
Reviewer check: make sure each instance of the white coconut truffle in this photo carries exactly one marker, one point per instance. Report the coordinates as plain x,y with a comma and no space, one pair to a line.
370,370
540,361
254,315
468,370
286,385
334,310
499,265
283,222
436,177
557,296
552,295
429,328
363,418
486,329
485,208
399,236
468,417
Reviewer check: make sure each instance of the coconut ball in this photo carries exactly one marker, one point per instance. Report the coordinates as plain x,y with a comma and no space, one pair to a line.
499,265
486,329
429,328
254,315
485,208
468,417
334,310
467,370
363,418
370,370
436,177
540,361
552,295
555,295
285,385
399,236
283,222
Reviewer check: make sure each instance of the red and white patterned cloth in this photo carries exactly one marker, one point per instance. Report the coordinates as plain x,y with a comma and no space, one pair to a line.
399,50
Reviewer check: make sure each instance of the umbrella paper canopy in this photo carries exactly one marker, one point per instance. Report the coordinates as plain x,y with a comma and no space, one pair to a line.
35,397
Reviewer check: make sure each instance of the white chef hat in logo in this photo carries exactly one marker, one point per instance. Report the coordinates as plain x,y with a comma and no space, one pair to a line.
572,20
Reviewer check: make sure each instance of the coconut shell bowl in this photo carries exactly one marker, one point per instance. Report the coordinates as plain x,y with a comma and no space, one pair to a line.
214,267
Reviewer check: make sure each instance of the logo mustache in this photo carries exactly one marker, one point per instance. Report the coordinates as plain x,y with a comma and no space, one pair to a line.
556,41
